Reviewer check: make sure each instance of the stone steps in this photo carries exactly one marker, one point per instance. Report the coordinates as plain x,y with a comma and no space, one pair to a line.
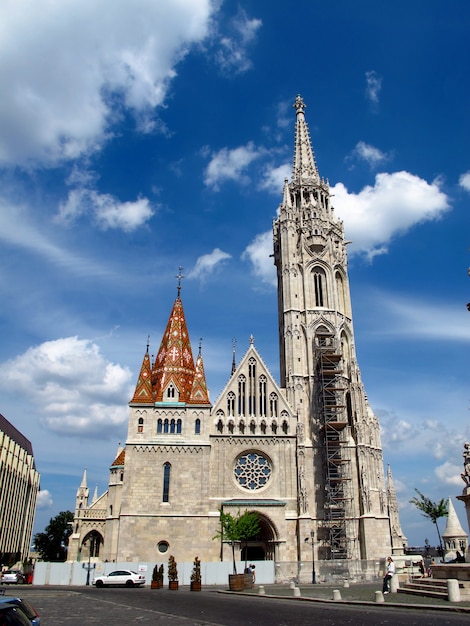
432,588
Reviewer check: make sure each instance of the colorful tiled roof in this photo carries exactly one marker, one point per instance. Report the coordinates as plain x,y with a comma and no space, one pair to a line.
143,390
199,393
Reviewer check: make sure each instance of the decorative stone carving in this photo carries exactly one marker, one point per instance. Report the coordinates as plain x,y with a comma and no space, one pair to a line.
466,464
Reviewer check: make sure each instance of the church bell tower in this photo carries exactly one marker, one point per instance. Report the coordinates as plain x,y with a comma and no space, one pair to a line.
342,492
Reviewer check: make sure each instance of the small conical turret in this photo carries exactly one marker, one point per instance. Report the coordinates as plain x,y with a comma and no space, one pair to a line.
199,392
143,389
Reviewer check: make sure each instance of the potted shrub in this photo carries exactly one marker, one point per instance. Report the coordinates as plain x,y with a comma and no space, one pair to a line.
196,575
157,577
172,573
236,529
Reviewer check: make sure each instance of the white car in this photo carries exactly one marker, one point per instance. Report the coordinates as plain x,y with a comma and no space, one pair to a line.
124,577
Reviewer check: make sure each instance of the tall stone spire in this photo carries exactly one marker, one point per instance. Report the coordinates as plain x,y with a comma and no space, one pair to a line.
305,168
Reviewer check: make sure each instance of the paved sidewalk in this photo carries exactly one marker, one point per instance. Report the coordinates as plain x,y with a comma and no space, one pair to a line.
359,593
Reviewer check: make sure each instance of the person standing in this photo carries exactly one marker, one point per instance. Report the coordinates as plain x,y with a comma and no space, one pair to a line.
389,572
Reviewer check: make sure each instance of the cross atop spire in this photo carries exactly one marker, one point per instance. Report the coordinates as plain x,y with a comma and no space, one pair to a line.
305,168
179,276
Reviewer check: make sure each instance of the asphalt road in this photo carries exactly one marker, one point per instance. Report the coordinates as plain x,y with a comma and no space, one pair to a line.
73,606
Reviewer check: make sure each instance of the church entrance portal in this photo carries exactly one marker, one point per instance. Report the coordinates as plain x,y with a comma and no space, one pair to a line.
263,546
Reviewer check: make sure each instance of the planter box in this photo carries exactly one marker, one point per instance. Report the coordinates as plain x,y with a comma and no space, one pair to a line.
236,582
155,584
173,585
195,585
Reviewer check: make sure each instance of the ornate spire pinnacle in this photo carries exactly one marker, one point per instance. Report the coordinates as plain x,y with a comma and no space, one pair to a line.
234,347
173,371
143,389
199,392
305,168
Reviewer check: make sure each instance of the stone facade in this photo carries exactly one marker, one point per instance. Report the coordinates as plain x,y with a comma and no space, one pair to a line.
305,454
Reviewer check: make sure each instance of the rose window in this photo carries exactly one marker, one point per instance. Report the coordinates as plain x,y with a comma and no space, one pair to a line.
252,471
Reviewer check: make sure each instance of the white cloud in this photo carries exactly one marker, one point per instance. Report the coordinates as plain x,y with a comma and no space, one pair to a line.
373,86
259,253
420,319
274,177
232,55
34,238
208,263
397,202
106,210
44,500
231,165
449,474
365,152
464,181
75,389
77,61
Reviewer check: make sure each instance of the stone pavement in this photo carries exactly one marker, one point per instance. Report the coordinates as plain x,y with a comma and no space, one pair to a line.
360,593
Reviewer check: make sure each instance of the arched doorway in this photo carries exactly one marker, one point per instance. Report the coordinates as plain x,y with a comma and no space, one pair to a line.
263,546
91,545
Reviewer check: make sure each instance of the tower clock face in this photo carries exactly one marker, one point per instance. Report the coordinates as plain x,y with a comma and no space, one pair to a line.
252,470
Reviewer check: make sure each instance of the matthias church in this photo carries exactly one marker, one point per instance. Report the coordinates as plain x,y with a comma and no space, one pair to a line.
303,452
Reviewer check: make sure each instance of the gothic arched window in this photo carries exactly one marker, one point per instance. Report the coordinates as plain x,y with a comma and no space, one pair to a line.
197,427
159,426
140,425
178,427
319,284
166,482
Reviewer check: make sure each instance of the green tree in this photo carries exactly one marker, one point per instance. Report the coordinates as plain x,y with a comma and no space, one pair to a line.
431,510
52,543
239,528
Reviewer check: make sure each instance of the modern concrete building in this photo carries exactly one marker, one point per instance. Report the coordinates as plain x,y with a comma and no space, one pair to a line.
304,453
19,485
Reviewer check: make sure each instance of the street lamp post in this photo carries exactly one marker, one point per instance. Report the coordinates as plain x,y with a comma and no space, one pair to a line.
312,537
88,565
311,541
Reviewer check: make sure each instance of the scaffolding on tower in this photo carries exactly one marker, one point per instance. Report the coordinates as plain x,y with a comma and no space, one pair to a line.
330,392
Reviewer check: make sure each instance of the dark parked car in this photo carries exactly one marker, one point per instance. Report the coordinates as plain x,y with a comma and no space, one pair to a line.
11,615
24,606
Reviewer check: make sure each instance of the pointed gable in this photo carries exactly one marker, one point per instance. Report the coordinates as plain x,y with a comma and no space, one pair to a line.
174,371
143,389
252,393
199,392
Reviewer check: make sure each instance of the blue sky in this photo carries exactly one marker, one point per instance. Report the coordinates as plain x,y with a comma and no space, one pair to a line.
137,137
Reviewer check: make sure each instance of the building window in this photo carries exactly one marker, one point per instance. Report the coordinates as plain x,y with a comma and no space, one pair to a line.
241,395
159,426
172,427
252,470
231,403
140,425
197,427
273,405
178,427
163,546
170,392
165,426
166,482
262,395
319,286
